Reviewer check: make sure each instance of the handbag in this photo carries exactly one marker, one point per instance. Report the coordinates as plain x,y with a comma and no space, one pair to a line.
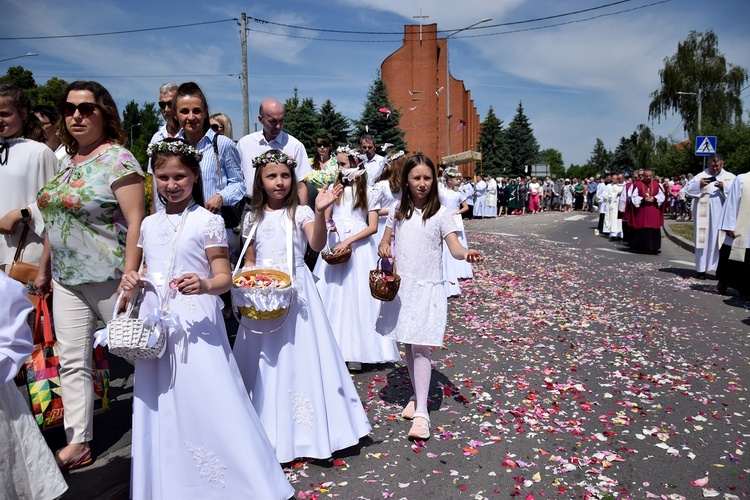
232,214
40,374
23,272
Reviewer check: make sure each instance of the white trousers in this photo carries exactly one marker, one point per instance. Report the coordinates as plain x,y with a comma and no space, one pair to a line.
76,311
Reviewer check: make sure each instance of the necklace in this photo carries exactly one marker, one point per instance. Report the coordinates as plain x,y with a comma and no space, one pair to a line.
182,218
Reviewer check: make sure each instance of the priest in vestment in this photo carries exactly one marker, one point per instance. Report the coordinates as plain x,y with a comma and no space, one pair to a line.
480,202
612,194
491,196
708,190
648,214
626,207
733,270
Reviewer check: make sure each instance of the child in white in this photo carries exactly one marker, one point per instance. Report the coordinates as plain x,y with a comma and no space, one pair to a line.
27,467
345,288
455,201
387,188
296,377
417,316
195,432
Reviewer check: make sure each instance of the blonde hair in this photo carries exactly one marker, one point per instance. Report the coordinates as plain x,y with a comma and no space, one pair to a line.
225,122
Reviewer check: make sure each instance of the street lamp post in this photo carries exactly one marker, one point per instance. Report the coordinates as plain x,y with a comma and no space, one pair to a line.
131,132
699,94
28,54
448,82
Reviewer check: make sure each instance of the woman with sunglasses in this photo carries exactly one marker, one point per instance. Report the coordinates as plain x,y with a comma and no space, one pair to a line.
92,213
26,165
221,124
324,171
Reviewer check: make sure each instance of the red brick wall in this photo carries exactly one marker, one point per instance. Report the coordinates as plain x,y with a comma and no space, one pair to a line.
419,68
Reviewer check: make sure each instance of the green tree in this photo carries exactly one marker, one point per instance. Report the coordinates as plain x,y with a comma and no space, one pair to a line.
698,67
600,158
644,146
382,126
49,93
554,159
301,120
623,158
673,159
140,124
18,75
493,145
522,145
333,124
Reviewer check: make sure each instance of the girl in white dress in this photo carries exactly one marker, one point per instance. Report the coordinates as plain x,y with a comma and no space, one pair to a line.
454,200
345,288
295,375
417,316
387,188
27,467
195,432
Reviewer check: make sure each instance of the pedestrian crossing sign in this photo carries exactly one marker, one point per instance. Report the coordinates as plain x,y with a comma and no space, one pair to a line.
705,145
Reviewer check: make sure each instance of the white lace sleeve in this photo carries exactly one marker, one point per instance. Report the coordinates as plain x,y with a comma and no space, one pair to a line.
214,232
391,219
304,216
373,200
446,223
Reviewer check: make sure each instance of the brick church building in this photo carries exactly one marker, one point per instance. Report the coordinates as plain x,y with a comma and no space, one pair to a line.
415,76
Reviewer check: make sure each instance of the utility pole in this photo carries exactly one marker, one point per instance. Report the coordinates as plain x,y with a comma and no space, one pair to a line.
245,95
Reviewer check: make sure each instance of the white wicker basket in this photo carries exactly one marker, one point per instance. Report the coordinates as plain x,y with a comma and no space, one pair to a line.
129,337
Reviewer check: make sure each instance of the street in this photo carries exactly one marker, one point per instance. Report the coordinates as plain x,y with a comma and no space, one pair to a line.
571,369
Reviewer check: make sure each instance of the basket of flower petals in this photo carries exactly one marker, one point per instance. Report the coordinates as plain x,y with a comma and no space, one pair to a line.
261,294
384,285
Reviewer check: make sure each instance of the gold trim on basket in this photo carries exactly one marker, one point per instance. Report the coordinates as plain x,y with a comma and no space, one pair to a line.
251,312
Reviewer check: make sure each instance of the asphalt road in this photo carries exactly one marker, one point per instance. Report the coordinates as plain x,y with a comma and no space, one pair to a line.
571,369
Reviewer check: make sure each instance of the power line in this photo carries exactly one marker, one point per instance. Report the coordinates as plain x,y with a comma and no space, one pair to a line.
118,32
322,30
465,36
135,76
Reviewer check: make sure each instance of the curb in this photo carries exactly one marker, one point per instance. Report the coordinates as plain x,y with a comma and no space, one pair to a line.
678,240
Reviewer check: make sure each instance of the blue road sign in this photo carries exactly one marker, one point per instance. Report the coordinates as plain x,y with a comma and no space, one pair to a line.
705,145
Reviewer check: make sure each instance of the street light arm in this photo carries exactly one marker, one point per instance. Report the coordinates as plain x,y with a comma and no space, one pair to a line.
28,54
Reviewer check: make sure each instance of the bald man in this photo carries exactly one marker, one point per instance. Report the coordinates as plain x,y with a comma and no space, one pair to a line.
271,117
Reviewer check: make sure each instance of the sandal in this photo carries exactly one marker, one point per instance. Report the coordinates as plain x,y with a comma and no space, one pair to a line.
409,409
420,428
82,461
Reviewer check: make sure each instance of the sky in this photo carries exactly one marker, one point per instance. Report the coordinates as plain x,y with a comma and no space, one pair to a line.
579,77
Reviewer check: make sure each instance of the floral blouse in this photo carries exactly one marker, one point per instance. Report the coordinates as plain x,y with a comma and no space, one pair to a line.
84,222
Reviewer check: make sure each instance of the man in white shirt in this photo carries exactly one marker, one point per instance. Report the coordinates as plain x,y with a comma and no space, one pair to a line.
271,117
374,163
166,93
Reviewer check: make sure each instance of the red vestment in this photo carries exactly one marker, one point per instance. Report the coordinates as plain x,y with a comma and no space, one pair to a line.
648,214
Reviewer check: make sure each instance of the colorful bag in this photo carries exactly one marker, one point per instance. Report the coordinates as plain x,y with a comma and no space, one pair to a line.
40,374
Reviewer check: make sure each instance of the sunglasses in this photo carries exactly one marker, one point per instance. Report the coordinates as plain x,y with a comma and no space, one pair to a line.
164,104
216,127
85,108
321,145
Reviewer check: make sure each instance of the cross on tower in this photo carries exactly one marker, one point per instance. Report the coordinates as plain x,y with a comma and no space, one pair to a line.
421,18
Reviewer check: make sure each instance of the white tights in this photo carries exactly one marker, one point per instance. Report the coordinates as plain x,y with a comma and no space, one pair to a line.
419,364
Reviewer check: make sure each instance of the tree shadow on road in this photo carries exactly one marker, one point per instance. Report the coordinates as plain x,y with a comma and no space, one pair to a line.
398,389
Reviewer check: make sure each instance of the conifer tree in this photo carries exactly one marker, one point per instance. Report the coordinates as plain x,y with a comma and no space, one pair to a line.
493,145
523,147
333,124
301,120
381,125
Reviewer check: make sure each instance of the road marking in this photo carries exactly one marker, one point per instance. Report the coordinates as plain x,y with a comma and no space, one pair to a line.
556,242
683,262
613,250
576,217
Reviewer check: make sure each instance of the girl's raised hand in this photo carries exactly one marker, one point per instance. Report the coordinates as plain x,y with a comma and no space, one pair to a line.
473,256
327,196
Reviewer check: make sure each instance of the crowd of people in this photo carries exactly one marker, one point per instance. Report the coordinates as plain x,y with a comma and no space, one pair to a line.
100,233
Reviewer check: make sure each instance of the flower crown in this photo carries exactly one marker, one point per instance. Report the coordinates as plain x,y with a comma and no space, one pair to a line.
347,150
274,156
177,147
451,172
395,156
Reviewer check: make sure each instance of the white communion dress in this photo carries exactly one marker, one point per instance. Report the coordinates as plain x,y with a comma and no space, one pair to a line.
195,432
295,374
345,291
